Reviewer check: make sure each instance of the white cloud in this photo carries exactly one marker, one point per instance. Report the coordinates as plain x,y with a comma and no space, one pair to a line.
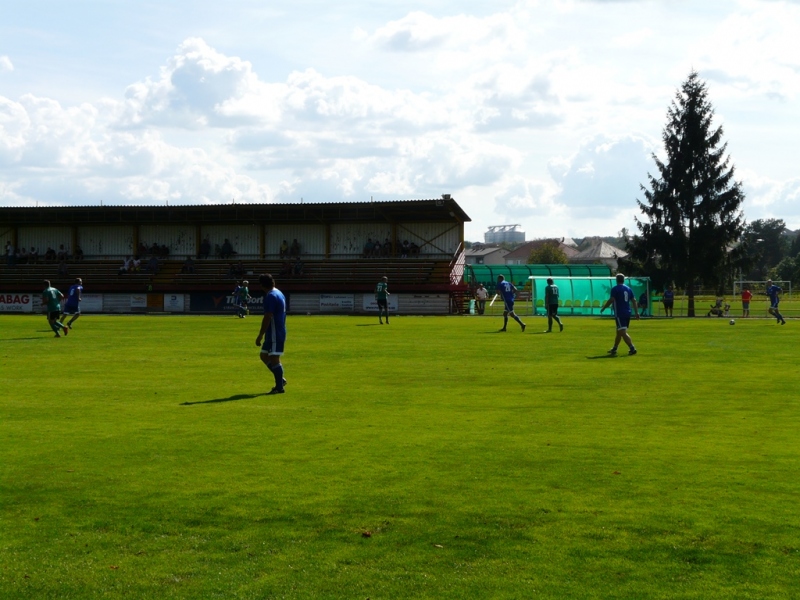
6,66
604,175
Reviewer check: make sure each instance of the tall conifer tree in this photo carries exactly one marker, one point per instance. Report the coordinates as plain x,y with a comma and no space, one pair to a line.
691,211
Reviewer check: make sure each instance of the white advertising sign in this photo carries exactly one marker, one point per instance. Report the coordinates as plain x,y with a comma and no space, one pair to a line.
138,300
92,303
336,302
16,302
371,305
174,303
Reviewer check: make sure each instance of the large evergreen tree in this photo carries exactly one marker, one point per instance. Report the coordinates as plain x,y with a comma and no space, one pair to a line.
692,215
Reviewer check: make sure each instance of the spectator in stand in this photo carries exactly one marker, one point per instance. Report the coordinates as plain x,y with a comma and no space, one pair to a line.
152,265
163,251
142,249
11,254
188,266
22,258
205,249
294,249
33,256
126,264
62,253
153,249
368,248
227,250
286,269
50,255
376,250
413,249
386,249
78,253
297,268
283,252
405,249
135,265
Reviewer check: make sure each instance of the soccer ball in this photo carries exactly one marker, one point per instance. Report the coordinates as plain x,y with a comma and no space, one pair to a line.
732,322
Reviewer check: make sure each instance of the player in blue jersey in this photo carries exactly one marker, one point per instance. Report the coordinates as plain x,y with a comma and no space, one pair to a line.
273,331
73,304
774,293
508,292
622,297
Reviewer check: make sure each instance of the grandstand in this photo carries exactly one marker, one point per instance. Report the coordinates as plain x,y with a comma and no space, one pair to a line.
420,250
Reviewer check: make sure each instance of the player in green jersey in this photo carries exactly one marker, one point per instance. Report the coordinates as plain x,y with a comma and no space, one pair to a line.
381,296
52,298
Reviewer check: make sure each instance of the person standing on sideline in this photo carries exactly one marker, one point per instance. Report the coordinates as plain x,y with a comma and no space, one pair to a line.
746,296
774,293
480,298
508,291
669,300
273,331
241,295
52,298
551,302
382,298
622,297
643,303
73,304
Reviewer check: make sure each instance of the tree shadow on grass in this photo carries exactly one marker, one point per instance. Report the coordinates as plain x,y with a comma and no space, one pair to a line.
228,399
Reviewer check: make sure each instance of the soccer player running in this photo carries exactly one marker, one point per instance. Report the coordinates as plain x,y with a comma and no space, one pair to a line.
508,291
241,295
73,303
551,301
622,297
381,297
273,331
774,293
52,298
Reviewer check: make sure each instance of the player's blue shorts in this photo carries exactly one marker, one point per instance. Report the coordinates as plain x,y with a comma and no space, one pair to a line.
623,322
509,305
273,343
774,304
72,310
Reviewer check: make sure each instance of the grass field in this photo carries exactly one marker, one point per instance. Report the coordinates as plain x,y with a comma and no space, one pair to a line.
431,458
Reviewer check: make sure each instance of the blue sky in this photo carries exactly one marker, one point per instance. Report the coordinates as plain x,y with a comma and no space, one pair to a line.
538,113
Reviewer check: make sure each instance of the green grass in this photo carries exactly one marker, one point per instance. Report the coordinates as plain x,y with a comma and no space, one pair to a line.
140,458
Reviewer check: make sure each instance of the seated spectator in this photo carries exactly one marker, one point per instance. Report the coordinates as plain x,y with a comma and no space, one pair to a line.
368,248
33,256
386,249
152,265
163,251
11,254
376,250
22,257
50,255
153,249
135,265
63,271
62,253
284,249
405,249
205,249
78,253
413,249
126,264
297,269
294,249
142,249
227,250
188,265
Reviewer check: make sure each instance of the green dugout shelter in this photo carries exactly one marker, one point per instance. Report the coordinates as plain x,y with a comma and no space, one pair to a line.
583,289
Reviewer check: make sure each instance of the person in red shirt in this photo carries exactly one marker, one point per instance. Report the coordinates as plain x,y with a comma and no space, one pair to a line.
746,295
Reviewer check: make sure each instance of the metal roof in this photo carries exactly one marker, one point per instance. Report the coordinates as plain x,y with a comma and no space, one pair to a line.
444,209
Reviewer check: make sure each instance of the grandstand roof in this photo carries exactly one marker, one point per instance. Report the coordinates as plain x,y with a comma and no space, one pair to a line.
441,209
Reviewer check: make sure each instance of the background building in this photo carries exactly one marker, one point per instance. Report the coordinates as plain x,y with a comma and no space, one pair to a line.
498,234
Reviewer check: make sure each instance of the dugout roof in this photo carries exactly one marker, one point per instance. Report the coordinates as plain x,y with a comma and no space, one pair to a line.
444,209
